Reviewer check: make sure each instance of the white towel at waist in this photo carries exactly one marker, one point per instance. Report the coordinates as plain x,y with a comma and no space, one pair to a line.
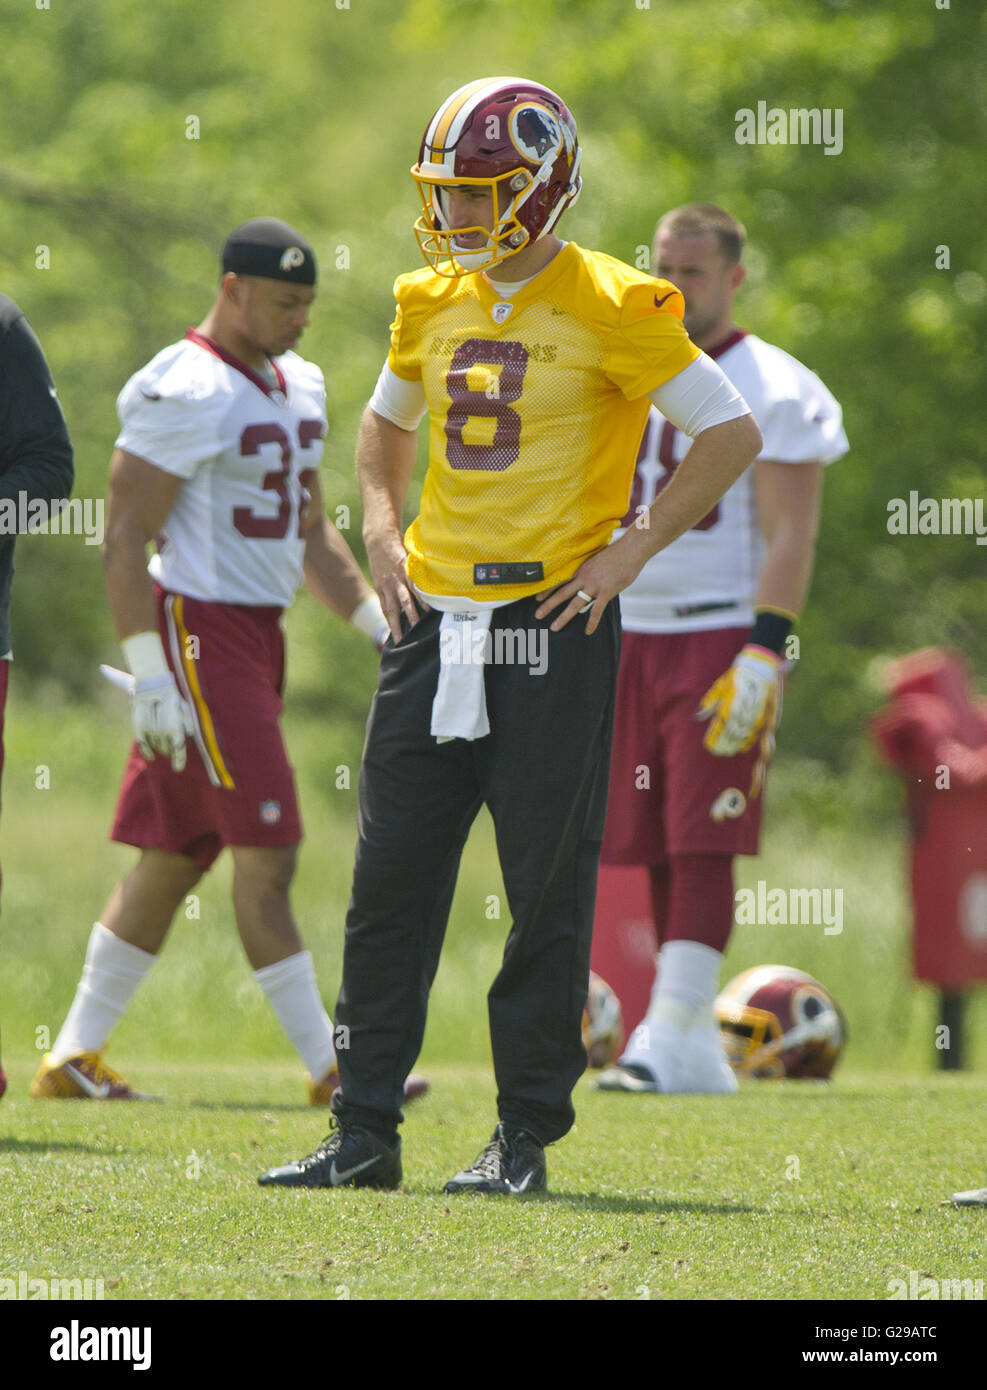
459,709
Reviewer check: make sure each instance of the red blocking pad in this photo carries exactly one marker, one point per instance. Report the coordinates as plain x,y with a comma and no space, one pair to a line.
624,937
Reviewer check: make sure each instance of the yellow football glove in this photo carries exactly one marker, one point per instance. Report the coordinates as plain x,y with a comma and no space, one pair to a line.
742,705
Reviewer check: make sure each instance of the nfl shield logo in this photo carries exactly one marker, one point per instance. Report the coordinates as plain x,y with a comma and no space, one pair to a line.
481,573
500,312
270,812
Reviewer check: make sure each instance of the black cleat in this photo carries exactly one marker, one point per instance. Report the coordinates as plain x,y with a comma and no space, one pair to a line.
350,1157
627,1076
513,1162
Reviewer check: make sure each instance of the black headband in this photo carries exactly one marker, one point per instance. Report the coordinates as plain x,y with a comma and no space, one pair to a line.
270,249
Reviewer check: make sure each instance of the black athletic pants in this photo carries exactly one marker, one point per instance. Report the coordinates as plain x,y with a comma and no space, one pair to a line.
543,772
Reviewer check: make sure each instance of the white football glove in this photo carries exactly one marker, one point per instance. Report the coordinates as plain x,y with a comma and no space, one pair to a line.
743,704
162,719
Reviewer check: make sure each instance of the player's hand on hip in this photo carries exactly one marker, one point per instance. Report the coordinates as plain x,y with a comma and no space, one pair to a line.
388,561
162,719
743,704
595,583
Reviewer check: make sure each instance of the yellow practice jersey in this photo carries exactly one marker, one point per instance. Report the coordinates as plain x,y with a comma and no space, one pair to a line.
537,405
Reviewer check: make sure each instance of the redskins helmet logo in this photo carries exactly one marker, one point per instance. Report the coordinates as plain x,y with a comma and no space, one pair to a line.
729,805
535,133
292,258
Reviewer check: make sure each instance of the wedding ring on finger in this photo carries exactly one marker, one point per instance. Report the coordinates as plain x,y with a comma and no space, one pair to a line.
587,598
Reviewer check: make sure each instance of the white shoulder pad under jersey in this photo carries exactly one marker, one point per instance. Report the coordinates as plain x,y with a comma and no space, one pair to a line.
244,449
708,577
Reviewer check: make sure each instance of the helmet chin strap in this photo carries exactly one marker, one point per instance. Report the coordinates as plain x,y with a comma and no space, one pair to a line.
484,257
475,259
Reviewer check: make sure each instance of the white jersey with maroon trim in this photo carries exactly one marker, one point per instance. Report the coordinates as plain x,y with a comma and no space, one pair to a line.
244,449
708,577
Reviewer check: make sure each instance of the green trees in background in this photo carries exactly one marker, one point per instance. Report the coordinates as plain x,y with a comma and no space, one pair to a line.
136,137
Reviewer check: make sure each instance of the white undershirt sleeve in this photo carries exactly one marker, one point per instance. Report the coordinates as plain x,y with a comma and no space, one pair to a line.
694,399
402,402
699,397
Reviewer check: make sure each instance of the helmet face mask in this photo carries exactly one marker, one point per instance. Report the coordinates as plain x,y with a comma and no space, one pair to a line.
517,140
749,1039
437,239
778,1022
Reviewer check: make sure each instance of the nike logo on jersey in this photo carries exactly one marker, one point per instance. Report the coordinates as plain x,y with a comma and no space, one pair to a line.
337,1178
660,302
150,395
94,1092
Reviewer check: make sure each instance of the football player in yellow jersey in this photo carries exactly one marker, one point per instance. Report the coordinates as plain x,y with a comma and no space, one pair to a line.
537,363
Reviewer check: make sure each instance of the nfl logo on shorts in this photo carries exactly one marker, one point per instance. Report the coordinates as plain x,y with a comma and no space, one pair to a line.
270,812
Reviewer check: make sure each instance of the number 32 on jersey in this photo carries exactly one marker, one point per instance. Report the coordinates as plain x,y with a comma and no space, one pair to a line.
275,528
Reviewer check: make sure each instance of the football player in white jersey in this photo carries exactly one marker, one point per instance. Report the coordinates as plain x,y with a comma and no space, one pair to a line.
217,461
705,628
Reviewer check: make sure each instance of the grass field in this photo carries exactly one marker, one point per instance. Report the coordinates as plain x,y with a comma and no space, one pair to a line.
782,1192
651,1197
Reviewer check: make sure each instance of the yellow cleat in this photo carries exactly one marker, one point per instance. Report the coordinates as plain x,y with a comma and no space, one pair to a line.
84,1077
322,1092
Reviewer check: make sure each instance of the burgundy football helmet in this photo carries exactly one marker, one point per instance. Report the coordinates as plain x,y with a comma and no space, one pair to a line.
513,137
779,1022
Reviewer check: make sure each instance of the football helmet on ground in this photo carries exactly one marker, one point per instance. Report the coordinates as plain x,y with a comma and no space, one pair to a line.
780,1022
603,1023
517,140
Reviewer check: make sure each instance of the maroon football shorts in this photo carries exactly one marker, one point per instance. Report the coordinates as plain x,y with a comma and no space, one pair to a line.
238,787
668,795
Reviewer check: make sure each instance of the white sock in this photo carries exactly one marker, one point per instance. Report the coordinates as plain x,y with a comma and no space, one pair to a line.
688,982
110,976
293,994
